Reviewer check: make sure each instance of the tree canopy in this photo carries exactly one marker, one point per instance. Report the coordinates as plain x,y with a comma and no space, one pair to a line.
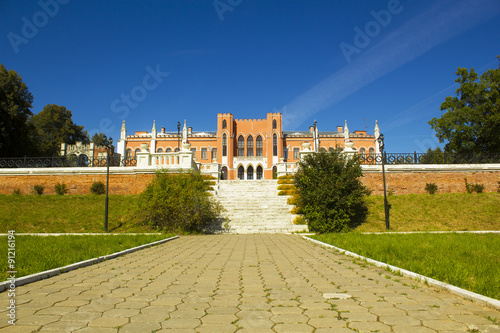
101,139
15,104
54,126
471,122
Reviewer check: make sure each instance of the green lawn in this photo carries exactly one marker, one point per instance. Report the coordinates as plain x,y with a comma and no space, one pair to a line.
468,261
68,213
38,253
424,212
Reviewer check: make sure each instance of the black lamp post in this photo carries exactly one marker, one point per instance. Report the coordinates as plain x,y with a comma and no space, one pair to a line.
387,207
107,189
178,135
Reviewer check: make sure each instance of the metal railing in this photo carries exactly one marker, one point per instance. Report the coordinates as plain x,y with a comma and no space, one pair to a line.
65,161
424,158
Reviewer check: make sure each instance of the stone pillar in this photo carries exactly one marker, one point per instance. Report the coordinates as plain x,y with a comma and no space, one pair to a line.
144,157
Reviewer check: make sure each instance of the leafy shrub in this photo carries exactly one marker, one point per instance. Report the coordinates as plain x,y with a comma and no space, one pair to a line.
470,188
178,202
431,188
98,188
498,189
61,189
17,191
38,189
286,187
299,220
329,190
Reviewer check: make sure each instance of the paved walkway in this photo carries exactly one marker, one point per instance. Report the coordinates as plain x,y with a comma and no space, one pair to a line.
244,283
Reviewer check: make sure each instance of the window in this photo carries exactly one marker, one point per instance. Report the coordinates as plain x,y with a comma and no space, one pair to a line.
258,146
214,153
193,150
159,150
176,149
241,146
137,151
372,152
224,145
362,151
331,150
203,153
259,172
274,123
168,150
224,124
241,173
128,153
250,146
250,173
275,145
285,153
323,150
296,154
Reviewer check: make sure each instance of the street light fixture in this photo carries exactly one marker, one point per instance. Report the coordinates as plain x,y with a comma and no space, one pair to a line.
387,207
178,135
108,146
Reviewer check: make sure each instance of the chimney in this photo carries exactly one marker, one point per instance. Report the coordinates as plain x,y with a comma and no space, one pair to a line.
311,128
190,130
340,129
163,129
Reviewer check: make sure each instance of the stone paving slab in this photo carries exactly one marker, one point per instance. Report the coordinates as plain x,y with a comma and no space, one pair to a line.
244,283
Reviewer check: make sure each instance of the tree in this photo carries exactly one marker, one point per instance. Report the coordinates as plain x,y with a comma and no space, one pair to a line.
330,193
471,121
54,126
433,156
15,104
102,140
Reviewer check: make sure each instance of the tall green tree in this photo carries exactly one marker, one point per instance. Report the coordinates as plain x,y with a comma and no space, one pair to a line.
330,193
15,104
471,122
101,139
54,126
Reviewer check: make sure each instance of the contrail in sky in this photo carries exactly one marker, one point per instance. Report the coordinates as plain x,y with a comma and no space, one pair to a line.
437,24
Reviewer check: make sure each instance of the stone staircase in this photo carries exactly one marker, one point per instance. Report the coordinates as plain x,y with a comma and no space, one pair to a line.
253,206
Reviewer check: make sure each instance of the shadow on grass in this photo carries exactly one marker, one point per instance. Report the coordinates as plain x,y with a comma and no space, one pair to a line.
361,214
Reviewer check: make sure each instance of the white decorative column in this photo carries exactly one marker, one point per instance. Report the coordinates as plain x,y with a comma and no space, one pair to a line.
122,143
143,157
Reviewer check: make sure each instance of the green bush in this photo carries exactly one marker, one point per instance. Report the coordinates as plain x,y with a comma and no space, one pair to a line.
286,187
38,189
179,203
299,220
98,188
431,188
470,188
498,189
16,191
330,193
61,189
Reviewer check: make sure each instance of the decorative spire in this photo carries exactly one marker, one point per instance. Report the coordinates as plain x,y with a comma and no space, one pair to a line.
123,133
346,132
153,130
376,132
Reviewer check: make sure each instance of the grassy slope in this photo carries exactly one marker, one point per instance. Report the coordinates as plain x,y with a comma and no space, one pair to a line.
423,212
36,254
469,261
73,213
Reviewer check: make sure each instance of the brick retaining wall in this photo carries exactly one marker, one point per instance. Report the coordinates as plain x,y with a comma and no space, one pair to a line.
401,179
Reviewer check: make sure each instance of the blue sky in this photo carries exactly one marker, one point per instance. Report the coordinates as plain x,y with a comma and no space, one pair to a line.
360,61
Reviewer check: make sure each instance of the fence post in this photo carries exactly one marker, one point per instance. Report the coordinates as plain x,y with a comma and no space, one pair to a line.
415,161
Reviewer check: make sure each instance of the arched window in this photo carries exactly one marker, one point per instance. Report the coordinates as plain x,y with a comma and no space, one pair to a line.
223,175
224,124
168,150
159,150
128,153
176,149
250,173
250,146
259,172
241,173
138,150
274,123
275,145
224,144
258,146
331,150
323,150
241,146
372,152
362,151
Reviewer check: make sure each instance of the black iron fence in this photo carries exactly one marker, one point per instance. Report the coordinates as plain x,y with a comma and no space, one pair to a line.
425,158
65,161
390,158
